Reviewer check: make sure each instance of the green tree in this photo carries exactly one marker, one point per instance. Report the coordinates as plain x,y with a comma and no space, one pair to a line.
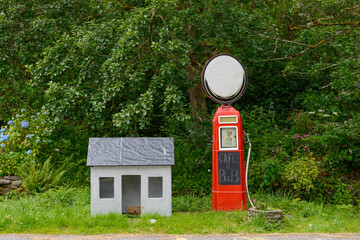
132,68
27,28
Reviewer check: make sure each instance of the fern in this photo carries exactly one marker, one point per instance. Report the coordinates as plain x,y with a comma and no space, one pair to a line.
39,178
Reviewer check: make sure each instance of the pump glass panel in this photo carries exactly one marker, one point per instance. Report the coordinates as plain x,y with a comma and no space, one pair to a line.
228,138
227,119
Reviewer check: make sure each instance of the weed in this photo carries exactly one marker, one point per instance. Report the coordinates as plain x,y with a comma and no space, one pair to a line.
190,203
67,210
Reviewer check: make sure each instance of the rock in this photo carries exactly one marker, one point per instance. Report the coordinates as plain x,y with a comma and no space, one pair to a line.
4,182
272,216
6,190
12,178
16,184
9,183
288,216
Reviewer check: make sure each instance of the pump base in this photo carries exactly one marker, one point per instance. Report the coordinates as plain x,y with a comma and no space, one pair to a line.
228,201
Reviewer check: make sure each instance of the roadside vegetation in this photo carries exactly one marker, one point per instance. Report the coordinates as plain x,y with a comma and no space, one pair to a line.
71,70
67,210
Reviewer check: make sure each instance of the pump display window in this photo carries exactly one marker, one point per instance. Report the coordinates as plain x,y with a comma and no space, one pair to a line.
228,138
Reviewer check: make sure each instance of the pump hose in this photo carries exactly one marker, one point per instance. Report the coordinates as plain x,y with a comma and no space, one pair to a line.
247,167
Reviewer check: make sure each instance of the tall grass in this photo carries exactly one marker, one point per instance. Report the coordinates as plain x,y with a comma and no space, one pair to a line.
68,211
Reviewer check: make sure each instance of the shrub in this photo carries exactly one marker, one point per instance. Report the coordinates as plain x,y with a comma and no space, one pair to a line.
271,147
192,171
301,172
334,138
22,139
334,189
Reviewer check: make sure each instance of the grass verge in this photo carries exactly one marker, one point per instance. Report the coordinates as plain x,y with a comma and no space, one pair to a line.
68,211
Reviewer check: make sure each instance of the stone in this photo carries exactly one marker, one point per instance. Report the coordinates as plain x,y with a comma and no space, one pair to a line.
12,178
16,184
6,190
4,182
272,216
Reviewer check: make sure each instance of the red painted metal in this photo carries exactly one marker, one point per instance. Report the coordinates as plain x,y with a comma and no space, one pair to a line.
228,196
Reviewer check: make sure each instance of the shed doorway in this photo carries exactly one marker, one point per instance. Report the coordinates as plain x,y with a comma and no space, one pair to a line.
131,194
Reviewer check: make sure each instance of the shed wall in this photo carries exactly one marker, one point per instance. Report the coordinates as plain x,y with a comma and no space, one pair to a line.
160,206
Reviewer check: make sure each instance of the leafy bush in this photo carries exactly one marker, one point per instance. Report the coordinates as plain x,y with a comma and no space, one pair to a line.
334,190
22,139
301,172
311,151
335,143
192,173
271,147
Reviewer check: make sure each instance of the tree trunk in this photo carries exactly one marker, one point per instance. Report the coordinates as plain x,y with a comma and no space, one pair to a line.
196,93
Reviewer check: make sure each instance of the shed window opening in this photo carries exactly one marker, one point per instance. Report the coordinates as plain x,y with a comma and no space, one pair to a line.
106,185
155,187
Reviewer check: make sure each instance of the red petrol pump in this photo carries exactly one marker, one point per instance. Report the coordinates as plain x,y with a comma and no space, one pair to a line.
228,186
224,80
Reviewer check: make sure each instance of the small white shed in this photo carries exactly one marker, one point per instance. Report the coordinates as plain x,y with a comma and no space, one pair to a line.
131,173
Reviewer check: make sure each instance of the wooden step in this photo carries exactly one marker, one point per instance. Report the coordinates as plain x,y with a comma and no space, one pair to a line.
133,210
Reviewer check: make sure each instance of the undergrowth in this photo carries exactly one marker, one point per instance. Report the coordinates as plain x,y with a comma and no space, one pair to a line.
67,210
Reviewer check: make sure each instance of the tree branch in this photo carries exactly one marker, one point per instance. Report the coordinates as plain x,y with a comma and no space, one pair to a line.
323,87
318,23
356,24
152,11
349,93
345,9
282,40
282,58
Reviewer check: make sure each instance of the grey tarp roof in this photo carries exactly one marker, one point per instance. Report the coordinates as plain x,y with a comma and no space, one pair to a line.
130,151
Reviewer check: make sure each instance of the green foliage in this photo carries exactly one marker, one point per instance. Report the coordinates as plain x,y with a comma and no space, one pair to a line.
26,139
111,69
271,148
329,189
192,172
26,30
191,203
39,178
301,172
271,171
132,68
333,141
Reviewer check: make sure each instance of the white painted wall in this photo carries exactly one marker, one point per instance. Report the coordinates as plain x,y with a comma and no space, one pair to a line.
161,206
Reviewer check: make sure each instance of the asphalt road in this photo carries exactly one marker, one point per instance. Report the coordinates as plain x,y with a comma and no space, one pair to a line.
282,236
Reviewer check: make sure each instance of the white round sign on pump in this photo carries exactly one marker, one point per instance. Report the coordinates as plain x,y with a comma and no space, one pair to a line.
224,78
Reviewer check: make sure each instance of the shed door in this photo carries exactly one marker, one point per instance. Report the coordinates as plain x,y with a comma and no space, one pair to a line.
131,192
